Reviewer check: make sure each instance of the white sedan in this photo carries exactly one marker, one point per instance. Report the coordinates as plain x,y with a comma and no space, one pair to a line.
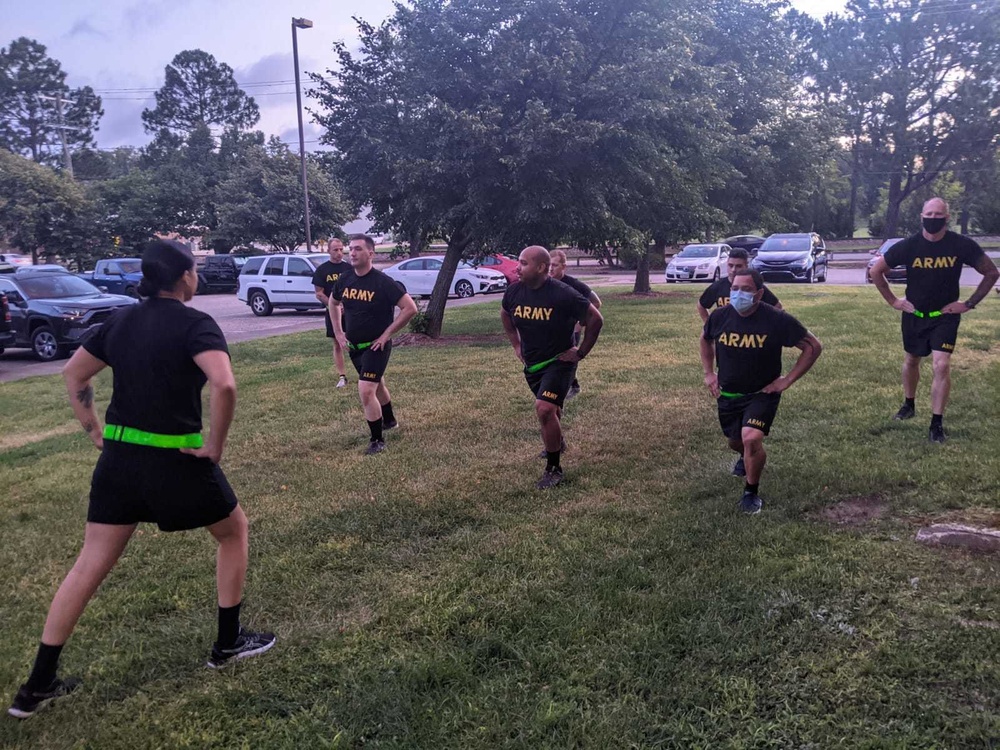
698,263
417,277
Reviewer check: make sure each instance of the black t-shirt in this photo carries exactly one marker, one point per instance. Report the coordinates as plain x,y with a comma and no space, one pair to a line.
718,294
369,303
328,273
933,269
545,317
576,284
150,348
748,350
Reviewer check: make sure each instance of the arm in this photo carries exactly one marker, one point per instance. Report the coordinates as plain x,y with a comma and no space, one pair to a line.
78,373
708,365
407,309
811,349
512,334
988,269
335,318
592,329
595,300
702,312
882,284
321,296
777,305
222,403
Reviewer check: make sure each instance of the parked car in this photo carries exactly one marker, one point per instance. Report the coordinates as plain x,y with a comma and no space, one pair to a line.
51,312
698,263
749,242
503,264
218,273
15,259
284,281
417,277
6,330
897,274
117,275
793,257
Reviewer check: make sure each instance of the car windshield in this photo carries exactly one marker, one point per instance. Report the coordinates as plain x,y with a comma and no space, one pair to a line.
56,286
786,245
130,266
698,251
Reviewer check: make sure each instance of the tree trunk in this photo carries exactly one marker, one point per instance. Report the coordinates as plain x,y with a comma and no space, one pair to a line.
895,198
457,243
416,239
852,210
642,269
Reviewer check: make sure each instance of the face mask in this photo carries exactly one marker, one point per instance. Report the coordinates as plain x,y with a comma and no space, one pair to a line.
740,300
933,226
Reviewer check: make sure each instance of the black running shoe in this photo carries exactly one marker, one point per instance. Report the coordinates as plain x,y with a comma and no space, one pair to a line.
936,434
27,702
739,469
545,453
248,644
375,446
905,412
390,425
750,503
550,478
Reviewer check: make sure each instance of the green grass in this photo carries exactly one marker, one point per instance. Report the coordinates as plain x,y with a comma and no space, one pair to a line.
431,598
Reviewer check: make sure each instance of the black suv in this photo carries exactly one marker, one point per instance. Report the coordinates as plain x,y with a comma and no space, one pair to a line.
51,311
793,257
6,333
218,273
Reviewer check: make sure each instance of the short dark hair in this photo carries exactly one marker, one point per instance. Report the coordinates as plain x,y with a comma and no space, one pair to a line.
739,252
758,280
367,239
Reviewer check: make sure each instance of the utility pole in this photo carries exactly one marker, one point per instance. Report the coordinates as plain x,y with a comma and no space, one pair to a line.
61,127
301,23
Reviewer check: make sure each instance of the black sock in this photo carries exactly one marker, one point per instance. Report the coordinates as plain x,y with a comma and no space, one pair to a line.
936,419
751,488
387,415
909,402
44,670
376,428
553,459
229,625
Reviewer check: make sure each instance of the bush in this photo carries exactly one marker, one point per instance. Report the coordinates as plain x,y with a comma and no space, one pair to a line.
420,323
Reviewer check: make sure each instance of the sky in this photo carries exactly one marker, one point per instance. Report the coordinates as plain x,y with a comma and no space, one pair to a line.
121,47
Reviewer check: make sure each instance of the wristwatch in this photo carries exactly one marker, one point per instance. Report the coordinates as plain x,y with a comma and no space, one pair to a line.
971,305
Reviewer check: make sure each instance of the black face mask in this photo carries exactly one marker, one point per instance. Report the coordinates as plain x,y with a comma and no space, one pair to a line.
933,226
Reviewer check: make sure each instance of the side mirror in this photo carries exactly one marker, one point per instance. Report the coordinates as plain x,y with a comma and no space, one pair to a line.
102,289
15,298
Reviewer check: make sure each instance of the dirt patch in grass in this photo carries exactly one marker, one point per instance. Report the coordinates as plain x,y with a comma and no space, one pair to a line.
854,511
421,339
21,439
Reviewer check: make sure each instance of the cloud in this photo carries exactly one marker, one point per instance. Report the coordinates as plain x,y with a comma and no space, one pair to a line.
122,125
83,27
149,14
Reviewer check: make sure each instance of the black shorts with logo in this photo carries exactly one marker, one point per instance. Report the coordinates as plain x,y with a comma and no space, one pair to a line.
755,410
371,364
921,336
551,383
137,483
329,323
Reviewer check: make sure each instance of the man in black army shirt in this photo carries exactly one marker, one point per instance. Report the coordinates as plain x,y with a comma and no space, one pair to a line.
931,310
539,314
323,280
369,299
717,292
747,337
557,270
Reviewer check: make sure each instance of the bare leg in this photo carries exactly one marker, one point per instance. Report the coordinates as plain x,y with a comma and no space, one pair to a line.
911,375
736,444
548,417
338,358
232,534
103,544
754,455
382,393
369,399
941,385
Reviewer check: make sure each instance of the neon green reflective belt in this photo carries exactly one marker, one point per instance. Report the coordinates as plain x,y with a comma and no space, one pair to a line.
934,314
727,394
152,439
540,365
359,347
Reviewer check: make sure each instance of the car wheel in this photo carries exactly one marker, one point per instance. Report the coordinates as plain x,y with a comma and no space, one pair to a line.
718,274
464,289
811,276
260,304
44,344
130,291
201,286
826,272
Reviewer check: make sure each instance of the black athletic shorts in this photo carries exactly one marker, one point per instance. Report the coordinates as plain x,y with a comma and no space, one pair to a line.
371,364
137,483
551,383
921,336
329,323
753,410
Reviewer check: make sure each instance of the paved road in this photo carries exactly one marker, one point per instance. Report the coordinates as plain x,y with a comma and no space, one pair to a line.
239,324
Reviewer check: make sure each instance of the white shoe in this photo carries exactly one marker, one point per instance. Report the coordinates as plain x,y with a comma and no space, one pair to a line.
342,382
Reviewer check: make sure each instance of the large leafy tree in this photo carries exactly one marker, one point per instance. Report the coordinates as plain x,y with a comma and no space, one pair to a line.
199,92
32,85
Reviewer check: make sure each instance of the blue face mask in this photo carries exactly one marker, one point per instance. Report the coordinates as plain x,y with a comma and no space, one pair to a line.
741,300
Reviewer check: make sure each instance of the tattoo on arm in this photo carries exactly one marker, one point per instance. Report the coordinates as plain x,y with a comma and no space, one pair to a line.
88,427
86,396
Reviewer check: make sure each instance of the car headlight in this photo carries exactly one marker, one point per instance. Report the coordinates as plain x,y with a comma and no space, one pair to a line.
70,313
704,266
482,276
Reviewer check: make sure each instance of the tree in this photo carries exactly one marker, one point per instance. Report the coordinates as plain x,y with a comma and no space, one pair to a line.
261,199
199,92
32,91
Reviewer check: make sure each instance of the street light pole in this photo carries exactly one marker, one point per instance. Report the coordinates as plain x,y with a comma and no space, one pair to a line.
301,23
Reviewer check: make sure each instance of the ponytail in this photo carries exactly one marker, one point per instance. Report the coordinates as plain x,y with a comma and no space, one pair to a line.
163,264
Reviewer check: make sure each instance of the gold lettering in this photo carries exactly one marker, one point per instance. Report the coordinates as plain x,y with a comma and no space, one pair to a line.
549,394
722,301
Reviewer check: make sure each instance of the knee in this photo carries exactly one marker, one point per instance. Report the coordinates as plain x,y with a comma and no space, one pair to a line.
367,390
753,440
942,369
911,362
546,412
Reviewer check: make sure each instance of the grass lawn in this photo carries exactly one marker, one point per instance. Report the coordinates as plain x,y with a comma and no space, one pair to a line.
430,598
